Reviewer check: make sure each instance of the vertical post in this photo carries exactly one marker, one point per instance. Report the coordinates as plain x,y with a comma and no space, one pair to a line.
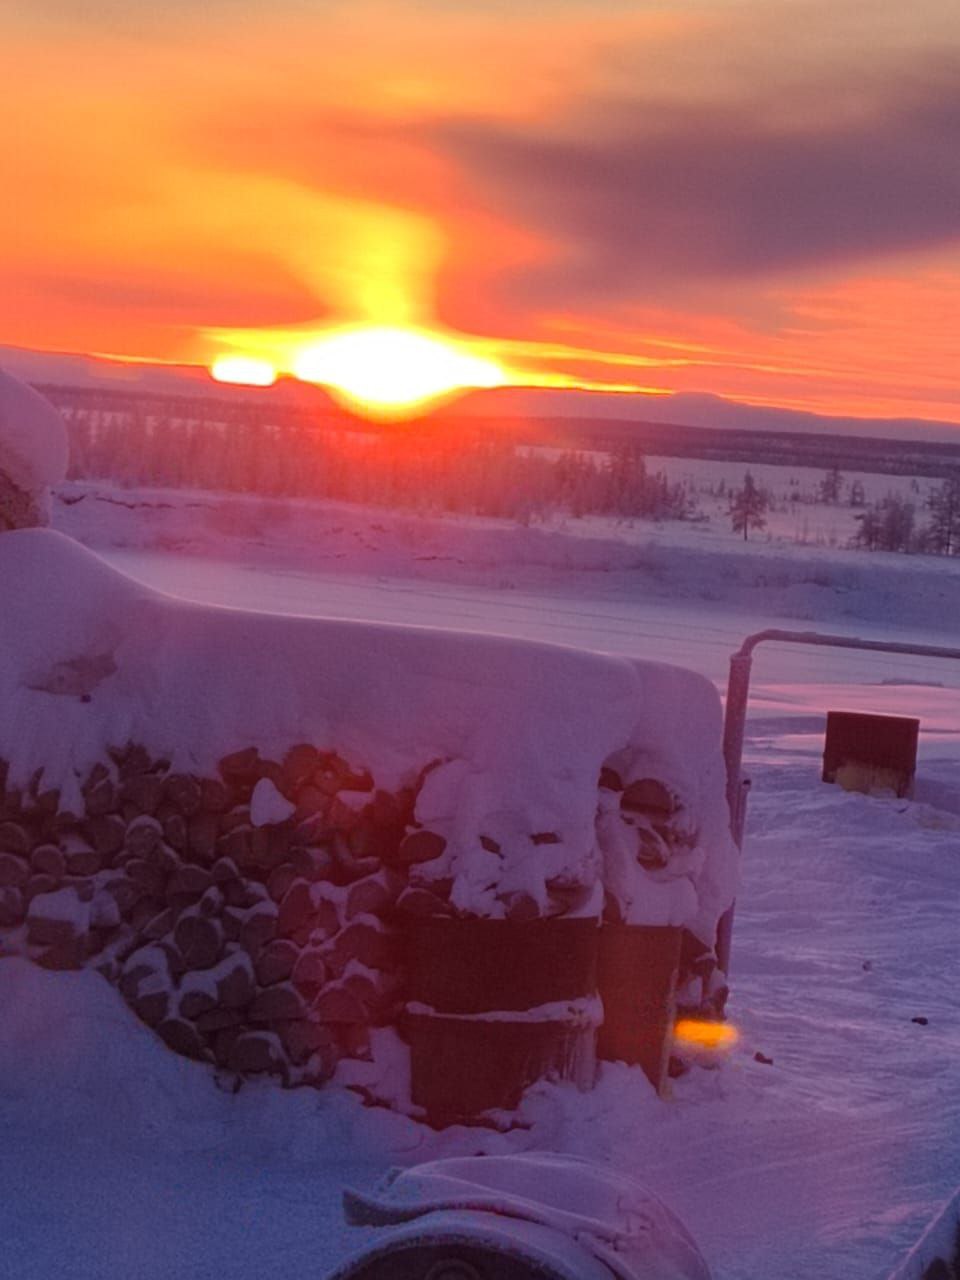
734,728
725,923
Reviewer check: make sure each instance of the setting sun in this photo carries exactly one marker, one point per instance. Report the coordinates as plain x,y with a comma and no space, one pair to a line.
244,370
387,372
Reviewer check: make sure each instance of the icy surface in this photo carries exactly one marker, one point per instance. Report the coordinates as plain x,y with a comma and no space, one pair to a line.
33,440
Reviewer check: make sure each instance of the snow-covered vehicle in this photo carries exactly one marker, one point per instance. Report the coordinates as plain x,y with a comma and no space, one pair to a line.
543,1216
538,1216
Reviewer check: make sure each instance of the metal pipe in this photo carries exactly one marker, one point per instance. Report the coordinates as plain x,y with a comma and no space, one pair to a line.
844,642
735,721
734,728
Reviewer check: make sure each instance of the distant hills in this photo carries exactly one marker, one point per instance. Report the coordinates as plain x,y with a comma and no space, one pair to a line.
680,425
697,410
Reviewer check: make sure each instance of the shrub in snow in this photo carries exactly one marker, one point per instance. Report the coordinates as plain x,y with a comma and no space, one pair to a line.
33,454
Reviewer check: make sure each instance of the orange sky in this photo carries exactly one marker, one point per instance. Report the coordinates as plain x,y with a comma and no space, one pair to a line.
758,198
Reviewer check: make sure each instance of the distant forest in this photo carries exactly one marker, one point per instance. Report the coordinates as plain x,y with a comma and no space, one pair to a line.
424,468
514,470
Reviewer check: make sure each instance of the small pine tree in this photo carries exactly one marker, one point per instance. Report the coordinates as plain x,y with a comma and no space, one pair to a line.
830,486
944,507
747,507
869,529
627,481
887,525
898,520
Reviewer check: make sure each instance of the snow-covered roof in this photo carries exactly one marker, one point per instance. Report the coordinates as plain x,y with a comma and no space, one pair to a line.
33,440
518,731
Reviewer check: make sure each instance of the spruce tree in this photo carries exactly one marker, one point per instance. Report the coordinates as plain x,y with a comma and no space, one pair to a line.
944,507
830,486
747,507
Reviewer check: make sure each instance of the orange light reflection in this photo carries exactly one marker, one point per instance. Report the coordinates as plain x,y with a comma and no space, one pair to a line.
702,1034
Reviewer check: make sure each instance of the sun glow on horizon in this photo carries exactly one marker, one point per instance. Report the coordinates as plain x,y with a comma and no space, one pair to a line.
396,371
383,371
248,371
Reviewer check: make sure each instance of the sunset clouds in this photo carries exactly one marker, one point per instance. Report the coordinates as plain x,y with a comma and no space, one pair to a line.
673,198
759,198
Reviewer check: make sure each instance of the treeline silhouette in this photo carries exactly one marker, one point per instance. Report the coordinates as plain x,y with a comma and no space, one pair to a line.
425,468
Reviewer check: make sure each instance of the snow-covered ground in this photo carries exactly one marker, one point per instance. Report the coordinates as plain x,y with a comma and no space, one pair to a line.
797,512
120,1159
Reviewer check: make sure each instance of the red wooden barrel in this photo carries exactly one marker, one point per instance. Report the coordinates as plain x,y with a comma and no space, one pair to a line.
475,1044
637,980
463,1067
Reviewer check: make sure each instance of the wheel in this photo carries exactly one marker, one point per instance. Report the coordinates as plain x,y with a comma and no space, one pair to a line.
448,1262
452,1269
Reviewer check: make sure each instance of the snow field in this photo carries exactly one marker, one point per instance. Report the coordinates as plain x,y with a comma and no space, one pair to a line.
699,568
797,513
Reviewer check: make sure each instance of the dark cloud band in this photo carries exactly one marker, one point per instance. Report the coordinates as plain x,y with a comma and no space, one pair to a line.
665,198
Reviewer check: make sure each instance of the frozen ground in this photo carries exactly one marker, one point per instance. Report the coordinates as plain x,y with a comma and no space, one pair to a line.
120,1159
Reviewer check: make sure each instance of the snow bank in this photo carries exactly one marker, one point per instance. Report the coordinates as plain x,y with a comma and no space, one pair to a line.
33,448
74,1058
515,733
